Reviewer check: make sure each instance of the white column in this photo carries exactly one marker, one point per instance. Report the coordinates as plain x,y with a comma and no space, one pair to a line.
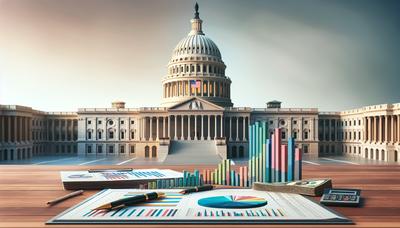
182,135
151,129
202,88
208,129
237,128
221,126
214,89
208,88
215,127
164,125
369,130
230,128
386,129
202,127
244,129
176,127
158,129
398,129
195,127
169,127
391,129
188,126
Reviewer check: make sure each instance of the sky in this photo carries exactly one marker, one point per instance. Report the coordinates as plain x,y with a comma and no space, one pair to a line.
68,54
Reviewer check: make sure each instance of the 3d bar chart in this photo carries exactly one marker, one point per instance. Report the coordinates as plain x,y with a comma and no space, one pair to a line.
269,161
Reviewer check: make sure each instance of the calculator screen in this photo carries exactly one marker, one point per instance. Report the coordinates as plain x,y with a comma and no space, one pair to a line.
343,192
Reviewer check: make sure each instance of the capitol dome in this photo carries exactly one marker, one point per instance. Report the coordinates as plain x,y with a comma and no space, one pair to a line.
196,69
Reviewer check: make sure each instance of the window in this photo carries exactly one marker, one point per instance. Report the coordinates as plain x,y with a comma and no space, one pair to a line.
89,149
305,122
132,149
306,135
89,122
89,135
111,149
282,122
99,149
283,135
295,135
294,121
305,149
110,122
99,122
122,149
111,134
122,134
99,135
271,122
122,122
132,134
132,122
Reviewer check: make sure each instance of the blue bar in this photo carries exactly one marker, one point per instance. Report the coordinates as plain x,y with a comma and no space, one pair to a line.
290,174
268,170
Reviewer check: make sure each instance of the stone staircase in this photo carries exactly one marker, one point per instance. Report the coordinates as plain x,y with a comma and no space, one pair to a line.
192,152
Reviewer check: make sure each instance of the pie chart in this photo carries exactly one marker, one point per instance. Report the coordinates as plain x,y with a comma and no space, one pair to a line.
232,201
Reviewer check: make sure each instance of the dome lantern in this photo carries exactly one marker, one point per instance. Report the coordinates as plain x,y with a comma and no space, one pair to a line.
196,22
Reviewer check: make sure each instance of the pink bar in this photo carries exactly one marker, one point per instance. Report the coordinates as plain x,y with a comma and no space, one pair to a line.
273,151
245,172
277,140
297,154
204,176
284,157
228,177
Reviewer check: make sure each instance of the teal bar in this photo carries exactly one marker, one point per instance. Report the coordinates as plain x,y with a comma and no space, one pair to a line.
197,177
290,171
249,172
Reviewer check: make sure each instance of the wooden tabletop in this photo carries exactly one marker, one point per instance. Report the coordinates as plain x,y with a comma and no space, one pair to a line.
25,189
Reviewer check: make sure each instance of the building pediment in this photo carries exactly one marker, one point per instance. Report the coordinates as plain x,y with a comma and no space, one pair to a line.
196,104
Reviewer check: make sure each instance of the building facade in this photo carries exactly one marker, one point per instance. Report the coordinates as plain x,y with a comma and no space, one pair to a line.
196,107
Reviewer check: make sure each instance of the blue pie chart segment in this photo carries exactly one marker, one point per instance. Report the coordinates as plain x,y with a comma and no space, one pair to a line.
232,201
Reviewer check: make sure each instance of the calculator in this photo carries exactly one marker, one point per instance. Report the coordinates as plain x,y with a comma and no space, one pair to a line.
341,197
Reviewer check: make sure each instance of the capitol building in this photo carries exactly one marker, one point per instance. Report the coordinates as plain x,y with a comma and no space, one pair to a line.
198,118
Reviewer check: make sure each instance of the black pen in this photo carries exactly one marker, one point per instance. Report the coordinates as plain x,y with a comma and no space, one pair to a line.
130,201
197,189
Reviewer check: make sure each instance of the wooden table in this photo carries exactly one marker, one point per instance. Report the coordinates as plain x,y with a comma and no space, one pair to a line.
24,190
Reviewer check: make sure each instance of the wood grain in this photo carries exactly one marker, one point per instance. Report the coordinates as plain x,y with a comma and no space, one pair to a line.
25,189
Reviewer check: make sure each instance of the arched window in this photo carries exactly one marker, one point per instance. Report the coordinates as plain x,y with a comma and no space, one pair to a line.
122,134
383,155
89,135
396,156
132,134
99,135
305,134
153,151
146,151
110,134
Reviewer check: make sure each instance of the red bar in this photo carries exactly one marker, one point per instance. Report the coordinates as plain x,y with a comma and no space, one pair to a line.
245,175
297,154
273,152
277,149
